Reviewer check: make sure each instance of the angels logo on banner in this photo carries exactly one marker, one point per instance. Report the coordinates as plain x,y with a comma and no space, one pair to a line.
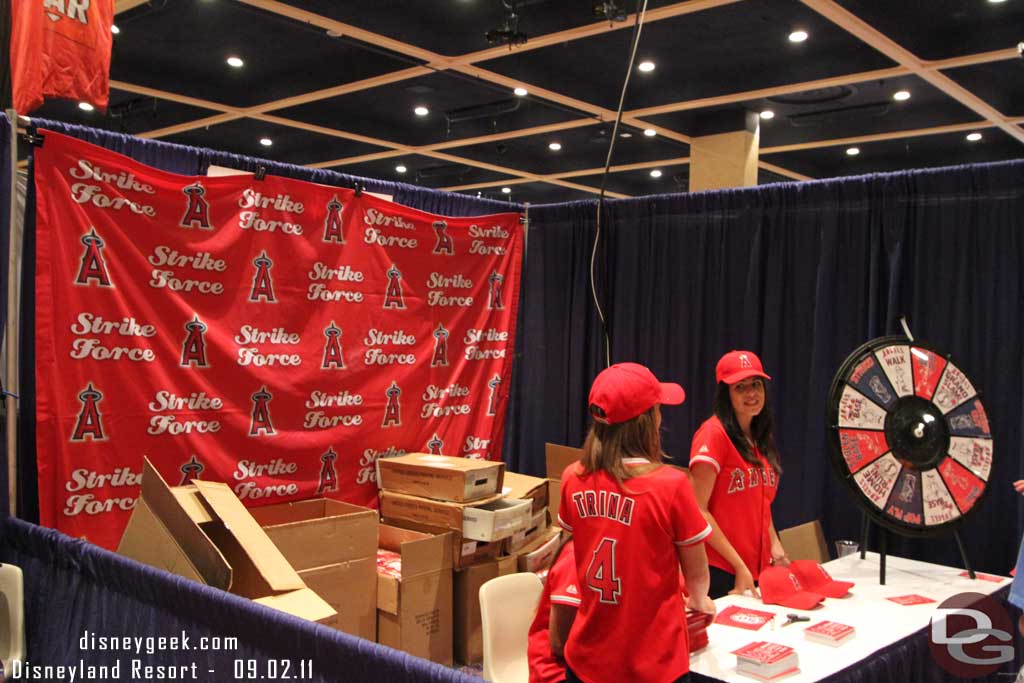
275,335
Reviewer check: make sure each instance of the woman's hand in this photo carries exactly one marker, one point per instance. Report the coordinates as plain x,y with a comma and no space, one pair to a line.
707,606
744,583
779,557
1019,486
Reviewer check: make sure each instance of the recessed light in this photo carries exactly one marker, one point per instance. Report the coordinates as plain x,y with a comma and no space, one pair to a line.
400,169
650,132
236,62
627,134
798,36
266,142
767,114
333,33
655,173
521,92
973,137
506,190
421,111
114,29
901,95
852,151
85,106
555,146
646,67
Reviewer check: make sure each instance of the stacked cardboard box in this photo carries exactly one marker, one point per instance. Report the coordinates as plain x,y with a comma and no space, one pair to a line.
437,493
333,545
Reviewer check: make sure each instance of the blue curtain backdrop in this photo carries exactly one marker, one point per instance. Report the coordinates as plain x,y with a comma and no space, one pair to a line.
801,273
5,222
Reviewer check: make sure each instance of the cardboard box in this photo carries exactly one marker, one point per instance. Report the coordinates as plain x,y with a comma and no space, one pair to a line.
486,520
523,487
469,646
465,552
520,539
441,477
540,553
560,457
414,612
204,533
554,499
334,547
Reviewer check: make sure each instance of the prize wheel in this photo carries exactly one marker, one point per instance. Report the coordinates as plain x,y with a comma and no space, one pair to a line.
909,436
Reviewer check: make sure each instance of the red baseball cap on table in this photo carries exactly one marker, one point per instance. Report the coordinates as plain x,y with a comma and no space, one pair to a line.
815,578
739,365
779,586
626,390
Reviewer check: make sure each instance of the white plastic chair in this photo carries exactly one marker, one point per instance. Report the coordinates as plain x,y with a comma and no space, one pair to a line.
12,618
507,607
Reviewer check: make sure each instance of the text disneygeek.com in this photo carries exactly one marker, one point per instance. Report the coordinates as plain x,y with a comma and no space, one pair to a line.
144,658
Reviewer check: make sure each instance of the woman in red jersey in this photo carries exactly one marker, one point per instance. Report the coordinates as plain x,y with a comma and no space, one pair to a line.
555,614
735,470
635,524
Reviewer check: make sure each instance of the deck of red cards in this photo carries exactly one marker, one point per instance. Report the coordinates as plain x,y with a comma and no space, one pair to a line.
829,632
766,661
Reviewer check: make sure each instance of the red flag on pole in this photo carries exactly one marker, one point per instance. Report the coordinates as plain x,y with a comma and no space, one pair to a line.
60,48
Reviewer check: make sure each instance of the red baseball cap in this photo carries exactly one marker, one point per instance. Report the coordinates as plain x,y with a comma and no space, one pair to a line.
738,365
779,586
626,390
814,576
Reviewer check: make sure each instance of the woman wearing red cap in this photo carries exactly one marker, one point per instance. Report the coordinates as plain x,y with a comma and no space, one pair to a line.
735,470
635,524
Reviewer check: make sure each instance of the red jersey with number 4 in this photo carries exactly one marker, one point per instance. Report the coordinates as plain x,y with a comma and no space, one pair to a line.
560,588
631,624
741,499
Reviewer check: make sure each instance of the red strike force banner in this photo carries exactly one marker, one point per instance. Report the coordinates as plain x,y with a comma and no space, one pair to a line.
276,335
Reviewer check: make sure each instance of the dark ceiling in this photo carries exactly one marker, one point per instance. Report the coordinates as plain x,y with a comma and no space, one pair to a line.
333,84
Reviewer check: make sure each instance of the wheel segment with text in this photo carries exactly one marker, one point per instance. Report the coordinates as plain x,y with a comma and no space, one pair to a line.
909,436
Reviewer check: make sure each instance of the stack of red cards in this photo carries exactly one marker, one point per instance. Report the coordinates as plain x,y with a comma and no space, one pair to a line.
766,661
829,632
697,629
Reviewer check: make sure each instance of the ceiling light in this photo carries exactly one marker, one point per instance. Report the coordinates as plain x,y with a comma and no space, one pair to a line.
236,62
646,67
627,134
650,132
609,10
555,146
266,142
506,190
798,36
400,169
996,2
655,173
901,95
508,32
334,33
852,151
85,106
421,111
973,137
114,29
521,92
767,114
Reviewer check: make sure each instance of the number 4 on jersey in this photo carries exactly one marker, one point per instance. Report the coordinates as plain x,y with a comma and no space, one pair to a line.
601,573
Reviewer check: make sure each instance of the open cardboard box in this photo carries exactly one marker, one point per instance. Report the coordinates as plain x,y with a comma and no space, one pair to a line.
491,519
465,552
414,612
441,476
204,533
333,545
523,487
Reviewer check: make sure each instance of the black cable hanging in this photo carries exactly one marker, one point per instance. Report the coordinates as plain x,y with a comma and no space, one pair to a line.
637,26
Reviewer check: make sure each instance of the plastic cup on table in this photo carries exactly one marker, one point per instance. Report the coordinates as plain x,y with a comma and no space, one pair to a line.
844,548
